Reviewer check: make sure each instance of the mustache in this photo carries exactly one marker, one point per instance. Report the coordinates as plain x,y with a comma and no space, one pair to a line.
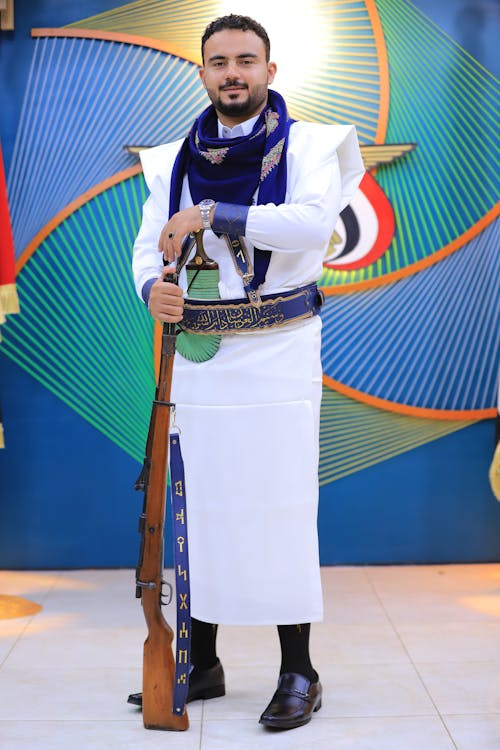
230,84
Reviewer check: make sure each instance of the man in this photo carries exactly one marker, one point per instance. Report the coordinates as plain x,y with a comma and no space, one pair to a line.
249,415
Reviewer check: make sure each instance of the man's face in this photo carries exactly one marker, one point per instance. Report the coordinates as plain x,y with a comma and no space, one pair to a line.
236,74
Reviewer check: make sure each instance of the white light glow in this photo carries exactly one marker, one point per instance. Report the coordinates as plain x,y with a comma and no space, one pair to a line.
297,36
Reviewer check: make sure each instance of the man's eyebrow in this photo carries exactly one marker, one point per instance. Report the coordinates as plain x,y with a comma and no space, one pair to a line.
238,57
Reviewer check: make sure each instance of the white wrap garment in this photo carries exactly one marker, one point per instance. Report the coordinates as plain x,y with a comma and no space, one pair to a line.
250,415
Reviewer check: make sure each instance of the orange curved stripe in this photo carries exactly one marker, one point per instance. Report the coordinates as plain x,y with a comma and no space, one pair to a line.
406,409
383,62
430,260
117,36
71,208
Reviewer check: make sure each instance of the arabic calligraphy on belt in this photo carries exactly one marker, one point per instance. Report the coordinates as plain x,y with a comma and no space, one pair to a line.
228,316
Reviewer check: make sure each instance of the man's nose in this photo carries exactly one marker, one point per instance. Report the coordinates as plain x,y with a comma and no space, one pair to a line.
231,70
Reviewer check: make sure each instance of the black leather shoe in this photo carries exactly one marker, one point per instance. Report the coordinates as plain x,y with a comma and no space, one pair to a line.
293,703
203,683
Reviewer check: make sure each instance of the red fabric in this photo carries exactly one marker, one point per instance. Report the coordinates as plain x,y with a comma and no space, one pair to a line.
7,265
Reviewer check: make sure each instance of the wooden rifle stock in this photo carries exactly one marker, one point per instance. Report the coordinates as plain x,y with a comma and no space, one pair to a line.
158,660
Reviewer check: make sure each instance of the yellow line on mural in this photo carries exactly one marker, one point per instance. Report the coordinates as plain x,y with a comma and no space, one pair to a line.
383,64
115,36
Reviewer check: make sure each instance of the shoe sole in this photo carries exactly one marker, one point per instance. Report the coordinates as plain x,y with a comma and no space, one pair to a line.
287,723
214,692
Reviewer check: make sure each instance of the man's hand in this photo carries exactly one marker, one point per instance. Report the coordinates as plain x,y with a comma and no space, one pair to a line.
172,235
166,302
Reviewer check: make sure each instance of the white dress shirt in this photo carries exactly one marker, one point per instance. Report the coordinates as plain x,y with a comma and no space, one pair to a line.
243,128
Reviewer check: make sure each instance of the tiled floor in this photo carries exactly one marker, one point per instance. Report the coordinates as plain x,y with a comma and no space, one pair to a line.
409,658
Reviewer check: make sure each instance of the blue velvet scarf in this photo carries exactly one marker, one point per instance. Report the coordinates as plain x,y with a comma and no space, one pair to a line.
231,170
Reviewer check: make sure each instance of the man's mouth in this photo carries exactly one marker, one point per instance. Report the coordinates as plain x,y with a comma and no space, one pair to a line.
234,87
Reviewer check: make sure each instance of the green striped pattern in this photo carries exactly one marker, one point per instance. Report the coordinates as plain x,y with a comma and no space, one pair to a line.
446,102
82,332
354,436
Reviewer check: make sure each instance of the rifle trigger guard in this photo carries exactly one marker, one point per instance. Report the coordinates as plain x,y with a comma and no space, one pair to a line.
169,595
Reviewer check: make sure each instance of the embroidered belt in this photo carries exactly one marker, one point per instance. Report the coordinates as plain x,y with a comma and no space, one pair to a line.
229,315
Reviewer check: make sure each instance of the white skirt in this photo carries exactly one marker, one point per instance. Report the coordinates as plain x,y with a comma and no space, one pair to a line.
249,421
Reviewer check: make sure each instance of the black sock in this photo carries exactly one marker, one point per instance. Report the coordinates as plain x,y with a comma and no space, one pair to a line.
203,652
294,641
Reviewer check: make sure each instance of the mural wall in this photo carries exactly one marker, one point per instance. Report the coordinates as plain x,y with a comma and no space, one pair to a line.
412,319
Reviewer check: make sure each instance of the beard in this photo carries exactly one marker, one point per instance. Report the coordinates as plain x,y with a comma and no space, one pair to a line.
254,102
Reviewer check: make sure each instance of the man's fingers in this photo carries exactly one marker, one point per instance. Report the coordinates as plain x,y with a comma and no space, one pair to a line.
169,317
168,245
168,289
170,242
168,270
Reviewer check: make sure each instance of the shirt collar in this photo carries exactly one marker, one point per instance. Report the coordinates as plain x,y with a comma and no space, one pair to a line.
243,128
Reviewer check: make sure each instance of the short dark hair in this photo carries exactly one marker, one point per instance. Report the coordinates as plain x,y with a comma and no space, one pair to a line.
241,23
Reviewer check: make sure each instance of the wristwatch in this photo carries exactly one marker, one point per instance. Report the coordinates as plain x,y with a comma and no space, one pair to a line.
205,208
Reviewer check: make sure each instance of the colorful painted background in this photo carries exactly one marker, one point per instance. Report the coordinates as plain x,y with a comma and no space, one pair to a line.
411,332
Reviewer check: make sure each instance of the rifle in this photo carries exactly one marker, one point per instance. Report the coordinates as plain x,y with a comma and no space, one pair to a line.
158,661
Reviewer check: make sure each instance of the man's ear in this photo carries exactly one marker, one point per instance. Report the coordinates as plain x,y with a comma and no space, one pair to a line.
201,73
271,71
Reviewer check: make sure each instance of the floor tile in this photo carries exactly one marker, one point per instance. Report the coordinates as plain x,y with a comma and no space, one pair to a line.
435,607
248,691
10,632
376,643
399,645
463,687
472,641
424,733
349,597
30,584
474,732
94,735
447,593
71,694
240,646
104,597
345,580
355,609
373,690
350,690
102,648
484,577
